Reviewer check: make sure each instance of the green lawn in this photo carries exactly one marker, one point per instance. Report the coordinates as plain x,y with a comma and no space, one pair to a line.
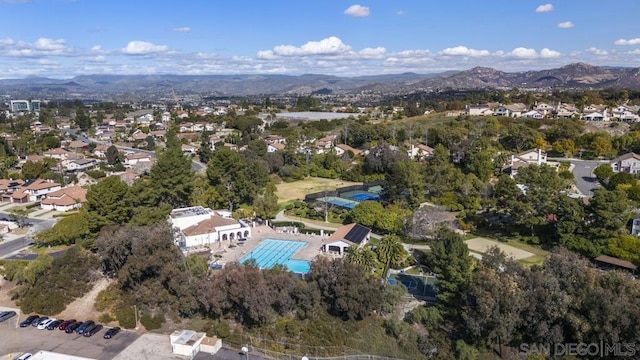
297,190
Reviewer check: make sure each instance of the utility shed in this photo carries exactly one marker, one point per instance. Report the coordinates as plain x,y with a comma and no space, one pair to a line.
210,345
186,342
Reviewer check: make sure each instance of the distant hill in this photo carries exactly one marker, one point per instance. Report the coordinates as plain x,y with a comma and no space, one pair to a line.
577,75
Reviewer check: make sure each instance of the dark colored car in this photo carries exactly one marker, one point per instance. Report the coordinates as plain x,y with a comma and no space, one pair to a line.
54,324
6,315
84,326
72,327
37,321
66,323
111,332
28,321
92,330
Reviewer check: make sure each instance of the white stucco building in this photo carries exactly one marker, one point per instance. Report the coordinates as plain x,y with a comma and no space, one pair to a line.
199,226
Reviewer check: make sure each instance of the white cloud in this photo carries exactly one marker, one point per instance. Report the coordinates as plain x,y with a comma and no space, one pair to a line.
143,48
357,11
41,47
635,41
544,8
400,12
329,46
596,51
549,54
464,51
184,29
527,53
634,52
373,52
566,25
6,41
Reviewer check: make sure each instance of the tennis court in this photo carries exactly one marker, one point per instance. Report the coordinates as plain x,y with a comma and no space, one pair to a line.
338,201
272,252
418,286
360,195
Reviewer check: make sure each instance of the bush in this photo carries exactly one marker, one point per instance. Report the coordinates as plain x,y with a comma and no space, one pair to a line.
105,318
31,206
96,174
152,322
126,316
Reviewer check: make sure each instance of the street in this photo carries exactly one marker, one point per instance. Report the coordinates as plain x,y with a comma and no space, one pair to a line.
9,247
586,182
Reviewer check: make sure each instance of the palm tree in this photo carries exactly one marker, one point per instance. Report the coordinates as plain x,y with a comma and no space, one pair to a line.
390,252
364,257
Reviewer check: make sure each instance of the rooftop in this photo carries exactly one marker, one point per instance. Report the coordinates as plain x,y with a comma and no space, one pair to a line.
354,233
190,211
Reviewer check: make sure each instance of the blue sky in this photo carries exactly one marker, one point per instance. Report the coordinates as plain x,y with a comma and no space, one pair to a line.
63,38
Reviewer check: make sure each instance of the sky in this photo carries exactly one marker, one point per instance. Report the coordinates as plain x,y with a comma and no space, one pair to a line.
65,38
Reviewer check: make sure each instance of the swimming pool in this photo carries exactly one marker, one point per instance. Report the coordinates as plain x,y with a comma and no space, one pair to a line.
272,252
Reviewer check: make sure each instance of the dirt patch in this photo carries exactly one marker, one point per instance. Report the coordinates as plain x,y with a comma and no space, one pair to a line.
5,293
298,189
83,308
481,245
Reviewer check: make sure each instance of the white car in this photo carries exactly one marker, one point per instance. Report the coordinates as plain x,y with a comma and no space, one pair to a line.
44,325
24,356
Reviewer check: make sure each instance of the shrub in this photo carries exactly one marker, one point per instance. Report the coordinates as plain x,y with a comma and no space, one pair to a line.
105,318
96,174
31,206
152,322
126,316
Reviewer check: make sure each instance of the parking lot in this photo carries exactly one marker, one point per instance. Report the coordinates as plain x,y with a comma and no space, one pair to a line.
14,340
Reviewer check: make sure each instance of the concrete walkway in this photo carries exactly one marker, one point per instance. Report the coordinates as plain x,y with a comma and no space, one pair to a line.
282,217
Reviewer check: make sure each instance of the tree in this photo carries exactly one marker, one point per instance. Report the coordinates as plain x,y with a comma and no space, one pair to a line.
603,173
113,155
205,152
367,213
108,203
364,257
82,119
404,182
390,252
170,179
266,205
450,259
151,143
69,230
608,213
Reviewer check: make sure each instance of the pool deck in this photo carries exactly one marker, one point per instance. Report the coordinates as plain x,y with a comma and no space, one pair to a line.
227,253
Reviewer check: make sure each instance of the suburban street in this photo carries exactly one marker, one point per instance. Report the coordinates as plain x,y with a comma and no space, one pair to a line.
583,173
10,246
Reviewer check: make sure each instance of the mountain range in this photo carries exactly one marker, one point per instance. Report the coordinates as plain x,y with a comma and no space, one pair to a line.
578,75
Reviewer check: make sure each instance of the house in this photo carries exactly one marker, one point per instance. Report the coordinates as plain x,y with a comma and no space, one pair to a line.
275,139
275,147
100,151
420,151
106,136
529,157
136,158
635,227
65,199
629,163
341,149
128,177
76,146
595,113
138,136
57,153
566,111
533,114
513,110
33,190
324,144
189,149
81,165
544,109
478,110
198,226
595,116
10,185
345,237
626,113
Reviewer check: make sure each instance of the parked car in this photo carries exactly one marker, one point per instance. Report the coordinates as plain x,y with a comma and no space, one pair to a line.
92,330
6,315
111,332
43,325
72,327
54,324
28,321
66,323
24,356
37,322
84,326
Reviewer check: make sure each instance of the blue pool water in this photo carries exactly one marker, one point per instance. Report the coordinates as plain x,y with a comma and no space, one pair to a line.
273,252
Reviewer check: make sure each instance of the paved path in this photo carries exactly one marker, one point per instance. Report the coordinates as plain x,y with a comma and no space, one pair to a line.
282,217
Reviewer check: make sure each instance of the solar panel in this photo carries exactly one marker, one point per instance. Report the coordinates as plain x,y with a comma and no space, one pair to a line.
357,234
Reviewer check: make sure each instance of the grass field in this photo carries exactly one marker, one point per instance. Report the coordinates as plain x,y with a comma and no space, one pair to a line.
298,189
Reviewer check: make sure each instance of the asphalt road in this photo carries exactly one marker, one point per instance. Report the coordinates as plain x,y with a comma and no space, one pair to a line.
586,182
9,247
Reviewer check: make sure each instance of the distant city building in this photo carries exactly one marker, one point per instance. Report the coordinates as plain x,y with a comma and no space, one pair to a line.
25,106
